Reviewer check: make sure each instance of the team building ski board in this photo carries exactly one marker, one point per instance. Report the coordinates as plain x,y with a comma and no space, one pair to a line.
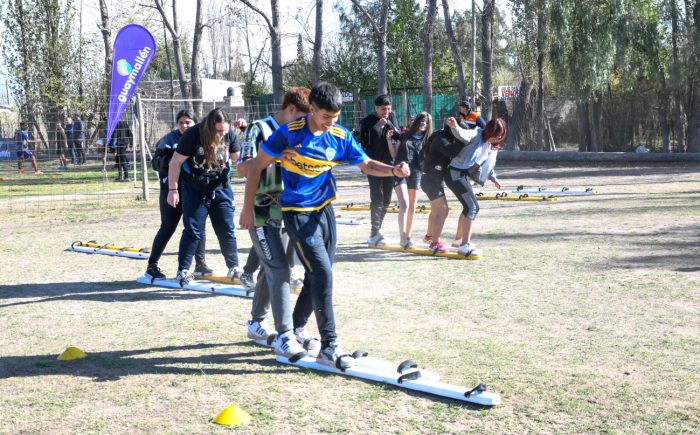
200,286
424,251
93,247
406,375
565,191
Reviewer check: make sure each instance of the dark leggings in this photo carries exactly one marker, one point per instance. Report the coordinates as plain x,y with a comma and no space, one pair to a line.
169,219
380,190
314,236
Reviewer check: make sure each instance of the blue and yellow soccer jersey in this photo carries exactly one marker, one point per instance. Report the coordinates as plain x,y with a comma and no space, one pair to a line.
308,182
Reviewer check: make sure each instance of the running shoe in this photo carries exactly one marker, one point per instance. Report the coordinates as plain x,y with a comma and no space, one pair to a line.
202,269
20,171
307,342
287,346
234,273
183,277
38,172
333,356
153,272
469,250
259,330
428,239
437,247
247,281
377,239
408,244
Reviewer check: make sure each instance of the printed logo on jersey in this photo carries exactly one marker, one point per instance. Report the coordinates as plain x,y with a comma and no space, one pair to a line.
306,166
330,153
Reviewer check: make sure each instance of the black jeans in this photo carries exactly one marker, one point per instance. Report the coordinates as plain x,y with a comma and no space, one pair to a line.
314,236
196,206
169,218
380,190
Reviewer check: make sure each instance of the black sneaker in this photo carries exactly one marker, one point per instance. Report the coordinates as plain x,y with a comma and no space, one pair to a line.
202,269
153,272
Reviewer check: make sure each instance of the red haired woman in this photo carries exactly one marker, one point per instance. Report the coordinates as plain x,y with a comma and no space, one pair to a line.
476,162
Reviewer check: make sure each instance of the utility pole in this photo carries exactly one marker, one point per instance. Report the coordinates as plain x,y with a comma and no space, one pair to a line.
473,55
80,53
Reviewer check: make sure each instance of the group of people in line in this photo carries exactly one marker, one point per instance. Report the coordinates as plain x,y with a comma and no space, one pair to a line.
70,139
461,153
287,160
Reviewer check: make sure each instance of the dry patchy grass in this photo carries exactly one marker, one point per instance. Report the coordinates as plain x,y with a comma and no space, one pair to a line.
583,315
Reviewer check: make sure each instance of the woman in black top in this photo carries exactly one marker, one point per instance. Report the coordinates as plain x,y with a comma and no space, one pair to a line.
409,148
203,157
170,216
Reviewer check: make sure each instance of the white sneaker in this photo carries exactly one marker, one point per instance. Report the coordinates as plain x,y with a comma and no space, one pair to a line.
287,346
307,342
469,250
247,281
377,239
259,330
234,273
333,356
183,277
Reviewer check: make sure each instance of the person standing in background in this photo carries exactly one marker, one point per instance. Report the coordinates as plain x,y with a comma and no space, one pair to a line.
78,137
373,130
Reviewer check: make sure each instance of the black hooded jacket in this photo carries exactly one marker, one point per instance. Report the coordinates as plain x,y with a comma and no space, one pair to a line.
373,137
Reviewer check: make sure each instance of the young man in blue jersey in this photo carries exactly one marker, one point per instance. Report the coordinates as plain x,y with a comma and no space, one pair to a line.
272,289
308,149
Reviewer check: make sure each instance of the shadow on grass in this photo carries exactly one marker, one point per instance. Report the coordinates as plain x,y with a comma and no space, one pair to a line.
111,366
688,269
111,291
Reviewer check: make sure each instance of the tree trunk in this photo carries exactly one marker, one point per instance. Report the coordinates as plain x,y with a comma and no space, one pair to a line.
428,57
584,129
515,126
459,66
380,33
678,115
276,36
318,45
540,116
487,16
195,80
174,30
381,52
107,41
596,124
694,100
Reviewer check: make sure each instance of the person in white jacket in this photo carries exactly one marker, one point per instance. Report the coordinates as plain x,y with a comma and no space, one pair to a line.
476,162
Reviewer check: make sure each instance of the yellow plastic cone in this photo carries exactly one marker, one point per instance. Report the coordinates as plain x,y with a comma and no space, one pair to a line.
72,353
232,415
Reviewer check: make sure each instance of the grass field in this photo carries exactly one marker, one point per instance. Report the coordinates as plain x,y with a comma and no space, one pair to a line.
584,314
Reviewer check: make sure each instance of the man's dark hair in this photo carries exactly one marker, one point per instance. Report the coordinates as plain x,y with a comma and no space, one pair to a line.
382,100
187,114
326,96
466,105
